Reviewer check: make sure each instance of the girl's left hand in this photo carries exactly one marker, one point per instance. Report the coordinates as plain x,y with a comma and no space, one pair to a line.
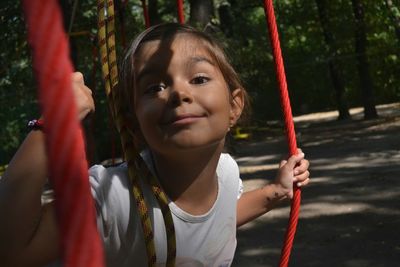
83,95
293,171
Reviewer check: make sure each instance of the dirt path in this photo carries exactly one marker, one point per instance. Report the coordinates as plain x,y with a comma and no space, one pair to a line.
350,214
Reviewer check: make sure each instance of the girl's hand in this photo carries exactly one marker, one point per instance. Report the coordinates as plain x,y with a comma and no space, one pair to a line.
83,96
293,170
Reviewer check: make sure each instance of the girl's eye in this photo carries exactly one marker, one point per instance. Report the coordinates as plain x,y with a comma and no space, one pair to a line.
155,88
200,80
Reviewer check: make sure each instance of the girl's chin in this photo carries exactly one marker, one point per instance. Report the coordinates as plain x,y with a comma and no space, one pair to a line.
182,144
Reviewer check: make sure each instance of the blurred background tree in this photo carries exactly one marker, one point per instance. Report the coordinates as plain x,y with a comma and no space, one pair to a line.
338,54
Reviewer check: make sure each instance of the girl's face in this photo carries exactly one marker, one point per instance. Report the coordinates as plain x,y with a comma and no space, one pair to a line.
182,101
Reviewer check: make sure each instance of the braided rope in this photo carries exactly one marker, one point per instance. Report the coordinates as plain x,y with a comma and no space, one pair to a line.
68,171
289,126
110,37
101,31
136,165
130,155
162,200
105,69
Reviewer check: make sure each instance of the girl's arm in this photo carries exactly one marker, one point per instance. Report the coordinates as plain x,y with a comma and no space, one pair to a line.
23,216
28,230
255,203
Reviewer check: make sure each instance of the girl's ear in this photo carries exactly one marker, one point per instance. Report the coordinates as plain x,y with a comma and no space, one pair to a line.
237,106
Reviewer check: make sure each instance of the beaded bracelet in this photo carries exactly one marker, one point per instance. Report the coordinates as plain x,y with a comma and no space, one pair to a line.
35,124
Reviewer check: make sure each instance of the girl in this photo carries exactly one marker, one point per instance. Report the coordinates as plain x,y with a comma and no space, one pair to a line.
184,96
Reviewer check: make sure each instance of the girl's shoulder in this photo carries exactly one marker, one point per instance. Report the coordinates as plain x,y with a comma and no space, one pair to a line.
227,165
229,175
108,179
99,171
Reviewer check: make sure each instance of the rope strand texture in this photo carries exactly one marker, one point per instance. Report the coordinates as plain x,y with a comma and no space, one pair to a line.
136,166
80,242
289,126
130,155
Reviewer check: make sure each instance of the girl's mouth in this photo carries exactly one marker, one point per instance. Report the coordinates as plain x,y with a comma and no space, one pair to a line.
184,119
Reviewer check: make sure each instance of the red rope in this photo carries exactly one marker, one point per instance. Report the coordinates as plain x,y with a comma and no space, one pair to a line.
80,242
290,132
145,14
181,16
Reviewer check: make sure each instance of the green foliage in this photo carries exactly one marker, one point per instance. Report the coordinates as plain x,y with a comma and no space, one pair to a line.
304,50
16,81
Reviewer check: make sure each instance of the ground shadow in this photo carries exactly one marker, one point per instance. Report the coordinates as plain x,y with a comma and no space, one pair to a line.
350,214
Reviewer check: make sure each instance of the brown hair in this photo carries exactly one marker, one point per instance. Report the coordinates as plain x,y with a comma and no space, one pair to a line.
166,32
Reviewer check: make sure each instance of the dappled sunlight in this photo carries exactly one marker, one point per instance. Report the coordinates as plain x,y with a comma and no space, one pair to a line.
376,137
352,204
325,116
260,251
255,159
320,179
344,164
257,168
319,142
321,209
362,160
339,197
332,115
313,210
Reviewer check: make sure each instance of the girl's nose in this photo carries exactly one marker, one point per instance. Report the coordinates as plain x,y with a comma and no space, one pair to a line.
180,93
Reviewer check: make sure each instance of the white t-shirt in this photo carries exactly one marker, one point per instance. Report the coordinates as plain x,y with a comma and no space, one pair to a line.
203,240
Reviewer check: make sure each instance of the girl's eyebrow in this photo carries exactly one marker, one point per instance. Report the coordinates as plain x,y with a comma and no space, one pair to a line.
199,59
152,68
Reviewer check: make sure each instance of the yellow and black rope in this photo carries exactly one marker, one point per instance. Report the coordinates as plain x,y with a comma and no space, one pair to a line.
136,165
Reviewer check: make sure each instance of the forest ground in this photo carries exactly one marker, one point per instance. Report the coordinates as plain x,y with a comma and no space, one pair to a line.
350,213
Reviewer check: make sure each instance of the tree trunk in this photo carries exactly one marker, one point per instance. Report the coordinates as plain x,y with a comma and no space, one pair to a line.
226,19
120,9
334,69
394,16
366,82
154,15
201,12
66,9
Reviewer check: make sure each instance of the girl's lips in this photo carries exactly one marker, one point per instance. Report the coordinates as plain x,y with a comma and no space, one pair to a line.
184,119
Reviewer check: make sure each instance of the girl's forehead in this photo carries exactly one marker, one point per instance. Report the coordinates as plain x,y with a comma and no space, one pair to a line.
182,44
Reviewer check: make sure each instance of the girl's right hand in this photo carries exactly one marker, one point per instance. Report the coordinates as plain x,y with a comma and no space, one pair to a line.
293,170
83,96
